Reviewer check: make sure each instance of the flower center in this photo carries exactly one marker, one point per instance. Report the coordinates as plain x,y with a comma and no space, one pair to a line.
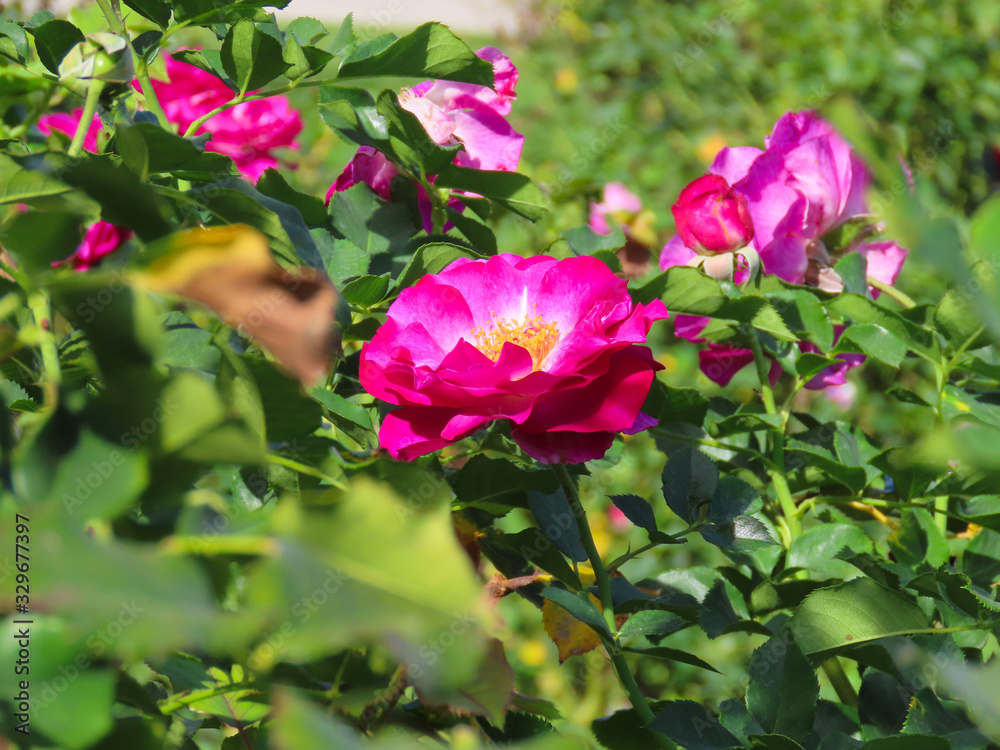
532,334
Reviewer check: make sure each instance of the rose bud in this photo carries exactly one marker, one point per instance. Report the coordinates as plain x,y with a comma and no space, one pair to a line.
712,217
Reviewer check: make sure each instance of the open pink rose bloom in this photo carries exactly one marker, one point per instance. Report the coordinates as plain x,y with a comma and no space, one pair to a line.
548,344
807,182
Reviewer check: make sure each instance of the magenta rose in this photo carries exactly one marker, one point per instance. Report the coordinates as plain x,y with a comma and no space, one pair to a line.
548,344
101,240
711,217
247,133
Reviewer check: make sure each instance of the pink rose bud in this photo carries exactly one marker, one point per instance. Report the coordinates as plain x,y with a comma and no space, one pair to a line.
711,217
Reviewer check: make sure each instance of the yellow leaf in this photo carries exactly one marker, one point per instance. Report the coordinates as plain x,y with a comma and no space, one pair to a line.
571,636
230,270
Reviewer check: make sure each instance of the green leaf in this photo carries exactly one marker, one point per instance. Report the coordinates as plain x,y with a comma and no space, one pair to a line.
303,59
691,725
83,712
853,612
689,482
433,257
918,539
733,497
209,60
637,510
673,654
857,309
39,238
366,291
585,241
25,180
250,57
804,315
148,148
512,190
496,485
908,742
298,723
556,519
369,222
670,405
959,320
783,688
480,235
873,339
579,605
689,291
815,548
981,558
273,184
622,730
351,112
652,622
960,404
307,30
431,51
53,40
156,11
853,269
13,41
350,417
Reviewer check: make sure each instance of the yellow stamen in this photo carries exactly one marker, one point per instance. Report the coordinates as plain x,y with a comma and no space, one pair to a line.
532,334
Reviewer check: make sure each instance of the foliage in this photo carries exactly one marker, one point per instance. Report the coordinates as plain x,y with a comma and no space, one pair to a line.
215,552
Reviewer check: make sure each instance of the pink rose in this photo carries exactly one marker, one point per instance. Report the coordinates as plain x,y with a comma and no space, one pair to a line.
370,167
711,217
247,133
547,344
618,203
100,240
67,122
807,182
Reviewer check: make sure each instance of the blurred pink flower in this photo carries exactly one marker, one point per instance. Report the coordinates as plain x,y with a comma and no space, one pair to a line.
370,167
67,122
547,344
247,133
617,203
101,240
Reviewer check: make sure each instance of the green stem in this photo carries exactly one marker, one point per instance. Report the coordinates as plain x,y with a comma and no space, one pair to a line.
38,303
238,99
178,702
112,17
94,89
777,471
276,458
711,443
149,93
625,676
902,298
878,503
941,510
841,682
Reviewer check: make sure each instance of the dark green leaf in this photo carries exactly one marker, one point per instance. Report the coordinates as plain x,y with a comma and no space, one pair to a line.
673,654
732,497
39,238
918,539
689,291
53,40
555,517
691,725
366,291
873,339
689,482
622,730
156,11
496,485
981,559
585,241
369,222
273,184
636,509
669,404
409,142
783,688
13,41
652,622
512,190
431,51
250,57
433,257
303,59
804,315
